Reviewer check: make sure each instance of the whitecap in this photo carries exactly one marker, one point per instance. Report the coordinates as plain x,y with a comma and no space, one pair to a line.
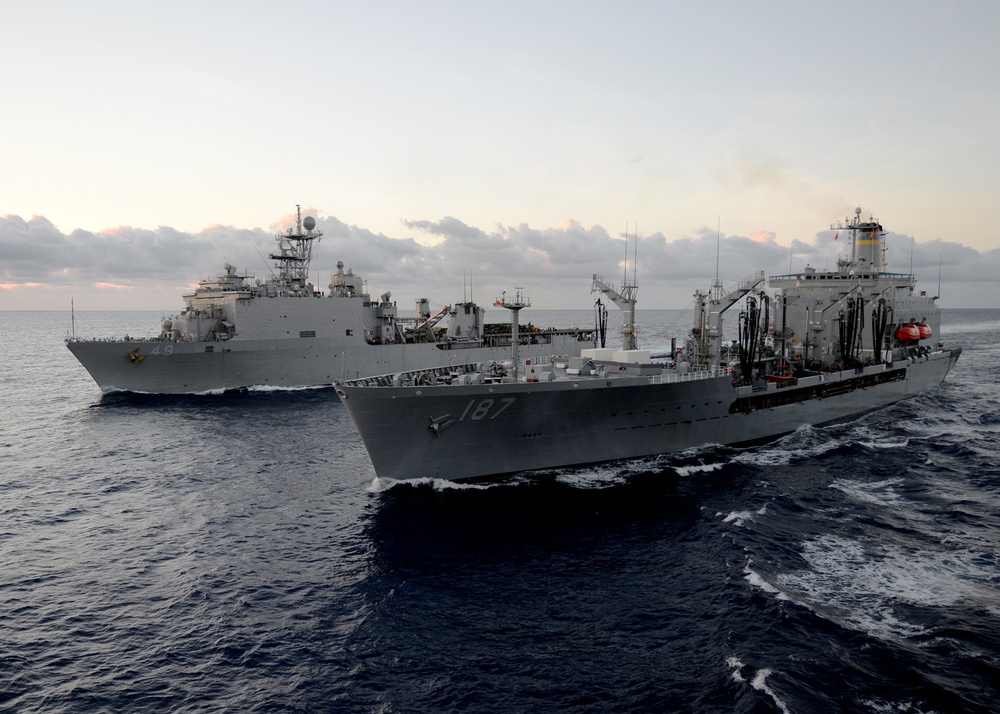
736,665
768,457
759,681
905,442
879,493
739,517
755,580
380,485
617,473
804,443
696,468
760,684
858,585
272,388
596,478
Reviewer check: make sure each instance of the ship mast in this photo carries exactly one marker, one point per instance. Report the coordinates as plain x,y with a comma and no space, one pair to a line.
295,251
515,307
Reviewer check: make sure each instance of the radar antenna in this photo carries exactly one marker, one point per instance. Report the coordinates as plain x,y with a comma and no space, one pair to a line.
295,252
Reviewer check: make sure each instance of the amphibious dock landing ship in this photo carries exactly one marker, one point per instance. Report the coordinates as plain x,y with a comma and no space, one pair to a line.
237,331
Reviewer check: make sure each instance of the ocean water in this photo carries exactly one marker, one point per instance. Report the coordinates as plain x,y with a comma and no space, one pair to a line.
235,553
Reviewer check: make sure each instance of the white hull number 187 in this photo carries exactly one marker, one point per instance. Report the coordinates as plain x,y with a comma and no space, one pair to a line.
485,409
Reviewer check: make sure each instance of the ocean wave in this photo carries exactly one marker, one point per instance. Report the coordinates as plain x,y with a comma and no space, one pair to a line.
865,586
805,443
879,493
383,484
597,478
758,681
738,518
697,469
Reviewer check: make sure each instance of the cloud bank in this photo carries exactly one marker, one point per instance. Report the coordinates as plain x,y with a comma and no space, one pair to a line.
445,260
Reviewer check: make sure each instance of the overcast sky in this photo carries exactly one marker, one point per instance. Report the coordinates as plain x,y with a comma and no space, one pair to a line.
442,143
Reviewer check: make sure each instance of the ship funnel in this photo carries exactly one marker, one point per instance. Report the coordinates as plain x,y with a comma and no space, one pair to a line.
867,243
869,246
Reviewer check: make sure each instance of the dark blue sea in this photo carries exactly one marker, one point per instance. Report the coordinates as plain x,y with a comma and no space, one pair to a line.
235,553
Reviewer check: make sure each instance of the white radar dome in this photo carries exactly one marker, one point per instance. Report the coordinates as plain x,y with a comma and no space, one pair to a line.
308,223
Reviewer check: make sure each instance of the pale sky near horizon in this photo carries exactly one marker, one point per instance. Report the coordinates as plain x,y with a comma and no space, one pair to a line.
145,144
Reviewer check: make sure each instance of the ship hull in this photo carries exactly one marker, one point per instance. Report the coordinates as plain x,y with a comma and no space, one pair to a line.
470,431
165,367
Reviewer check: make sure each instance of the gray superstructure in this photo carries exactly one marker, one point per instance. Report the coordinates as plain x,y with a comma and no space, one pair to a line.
810,356
237,331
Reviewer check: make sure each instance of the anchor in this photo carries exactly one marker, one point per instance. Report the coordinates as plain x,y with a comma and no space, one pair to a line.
442,422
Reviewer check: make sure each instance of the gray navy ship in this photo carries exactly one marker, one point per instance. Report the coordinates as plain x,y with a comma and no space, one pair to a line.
819,347
237,332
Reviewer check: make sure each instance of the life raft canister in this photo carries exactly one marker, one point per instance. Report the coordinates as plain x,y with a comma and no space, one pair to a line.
908,333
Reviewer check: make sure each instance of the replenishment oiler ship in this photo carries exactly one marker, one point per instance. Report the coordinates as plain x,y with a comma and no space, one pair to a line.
827,346
237,332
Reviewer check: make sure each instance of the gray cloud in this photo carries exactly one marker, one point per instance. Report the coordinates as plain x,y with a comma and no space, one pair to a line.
554,265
